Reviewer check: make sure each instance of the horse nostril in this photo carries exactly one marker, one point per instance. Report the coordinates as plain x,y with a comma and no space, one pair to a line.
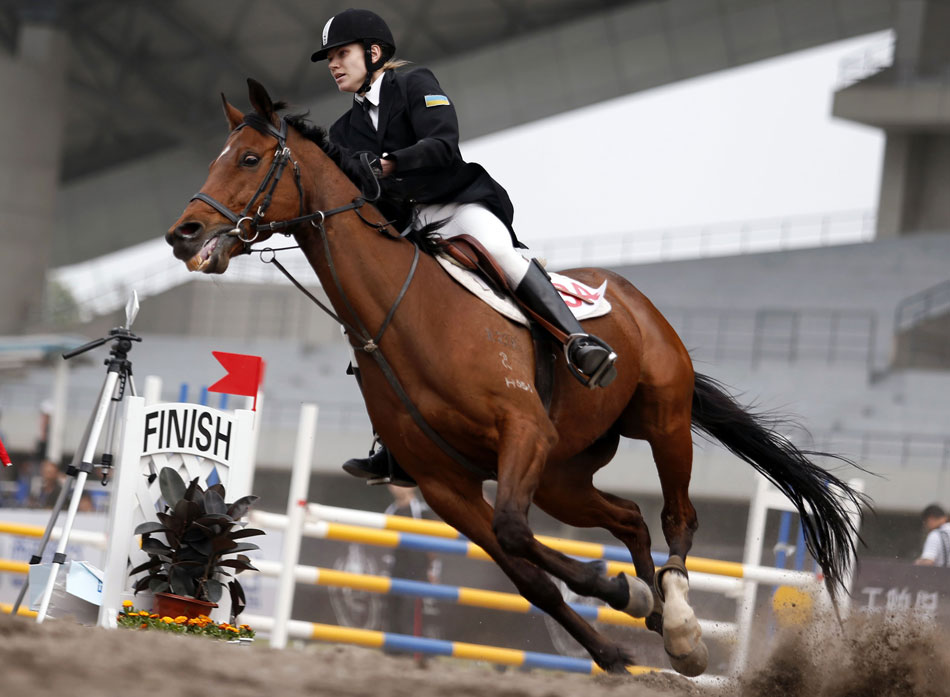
187,229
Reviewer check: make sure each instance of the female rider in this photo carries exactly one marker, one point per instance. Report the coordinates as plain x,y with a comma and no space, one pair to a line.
403,117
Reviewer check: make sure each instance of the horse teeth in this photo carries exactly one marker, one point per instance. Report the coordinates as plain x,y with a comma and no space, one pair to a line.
194,263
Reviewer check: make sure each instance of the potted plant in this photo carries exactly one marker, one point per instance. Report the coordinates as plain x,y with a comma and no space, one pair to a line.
200,530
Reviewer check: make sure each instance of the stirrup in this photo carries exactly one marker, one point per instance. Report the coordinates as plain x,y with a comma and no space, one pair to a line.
603,374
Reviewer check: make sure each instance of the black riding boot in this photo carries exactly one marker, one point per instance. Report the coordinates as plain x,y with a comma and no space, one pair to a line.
587,355
380,467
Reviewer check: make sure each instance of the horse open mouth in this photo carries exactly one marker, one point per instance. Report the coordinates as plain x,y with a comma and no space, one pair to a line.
214,255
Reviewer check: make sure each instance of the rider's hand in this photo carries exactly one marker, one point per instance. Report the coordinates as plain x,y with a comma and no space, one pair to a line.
388,166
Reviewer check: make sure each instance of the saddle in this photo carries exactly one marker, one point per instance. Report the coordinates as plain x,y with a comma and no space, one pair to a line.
470,254
466,252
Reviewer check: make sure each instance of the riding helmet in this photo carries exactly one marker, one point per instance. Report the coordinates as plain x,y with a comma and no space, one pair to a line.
354,25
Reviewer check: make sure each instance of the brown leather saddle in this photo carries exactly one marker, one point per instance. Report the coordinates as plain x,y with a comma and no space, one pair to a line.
470,254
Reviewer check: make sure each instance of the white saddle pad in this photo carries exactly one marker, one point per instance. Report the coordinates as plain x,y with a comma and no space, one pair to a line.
598,305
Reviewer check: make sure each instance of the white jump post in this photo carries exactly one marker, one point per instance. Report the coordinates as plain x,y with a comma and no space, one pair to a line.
854,513
296,516
152,390
766,498
57,417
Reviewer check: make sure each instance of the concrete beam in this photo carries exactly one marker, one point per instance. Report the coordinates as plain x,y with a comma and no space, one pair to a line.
31,135
606,54
917,106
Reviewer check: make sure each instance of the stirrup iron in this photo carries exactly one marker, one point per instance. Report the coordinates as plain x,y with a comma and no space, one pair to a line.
594,379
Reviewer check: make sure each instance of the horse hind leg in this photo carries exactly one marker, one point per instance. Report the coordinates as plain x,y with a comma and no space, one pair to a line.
521,462
462,506
682,637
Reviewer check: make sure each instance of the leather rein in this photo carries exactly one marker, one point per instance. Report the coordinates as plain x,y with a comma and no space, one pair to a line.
253,226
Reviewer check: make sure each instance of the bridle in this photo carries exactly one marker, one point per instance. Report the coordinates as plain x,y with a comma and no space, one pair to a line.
254,226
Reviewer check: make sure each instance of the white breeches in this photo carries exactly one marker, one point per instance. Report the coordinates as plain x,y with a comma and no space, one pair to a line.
479,222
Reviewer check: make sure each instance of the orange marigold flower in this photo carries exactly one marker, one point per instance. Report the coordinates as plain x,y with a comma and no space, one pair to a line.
168,620
234,629
153,616
127,603
245,626
143,613
181,619
143,625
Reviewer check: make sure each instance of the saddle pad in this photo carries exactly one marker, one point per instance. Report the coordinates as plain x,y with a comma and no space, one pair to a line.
507,307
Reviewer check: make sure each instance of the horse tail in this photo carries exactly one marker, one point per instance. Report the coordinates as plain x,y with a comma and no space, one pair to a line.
820,497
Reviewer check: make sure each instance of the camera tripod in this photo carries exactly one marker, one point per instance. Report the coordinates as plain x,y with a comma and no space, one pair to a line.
118,376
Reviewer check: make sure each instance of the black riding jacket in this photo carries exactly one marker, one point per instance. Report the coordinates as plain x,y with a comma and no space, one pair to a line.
418,128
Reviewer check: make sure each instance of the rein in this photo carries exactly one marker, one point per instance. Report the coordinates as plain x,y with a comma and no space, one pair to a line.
282,157
369,343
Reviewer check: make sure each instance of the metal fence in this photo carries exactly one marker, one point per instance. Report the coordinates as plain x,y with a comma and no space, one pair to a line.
885,450
829,337
864,63
889,450
704,241
922,328
921,306
103,285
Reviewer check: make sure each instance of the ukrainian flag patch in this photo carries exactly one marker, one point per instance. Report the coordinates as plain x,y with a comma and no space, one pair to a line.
436,100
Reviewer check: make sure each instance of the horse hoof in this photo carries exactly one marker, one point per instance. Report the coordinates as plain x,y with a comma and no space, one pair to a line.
692,664
640,599
684,645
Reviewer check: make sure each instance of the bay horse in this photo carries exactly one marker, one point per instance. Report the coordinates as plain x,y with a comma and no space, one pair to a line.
449,386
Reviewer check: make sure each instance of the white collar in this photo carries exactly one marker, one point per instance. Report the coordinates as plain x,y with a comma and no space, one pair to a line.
373,93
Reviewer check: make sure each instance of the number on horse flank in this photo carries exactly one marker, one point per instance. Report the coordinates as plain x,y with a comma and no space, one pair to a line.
544,455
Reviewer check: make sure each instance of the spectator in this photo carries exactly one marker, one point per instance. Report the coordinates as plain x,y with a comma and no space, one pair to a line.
51,481
936,550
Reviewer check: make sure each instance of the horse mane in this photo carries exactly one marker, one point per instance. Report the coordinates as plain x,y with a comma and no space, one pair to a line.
393,206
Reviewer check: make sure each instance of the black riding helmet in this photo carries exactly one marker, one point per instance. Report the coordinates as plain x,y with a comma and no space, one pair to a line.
362,26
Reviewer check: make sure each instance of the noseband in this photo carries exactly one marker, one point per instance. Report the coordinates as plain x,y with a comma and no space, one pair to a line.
282,156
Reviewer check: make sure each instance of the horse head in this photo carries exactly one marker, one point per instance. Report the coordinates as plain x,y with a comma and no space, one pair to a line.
244,188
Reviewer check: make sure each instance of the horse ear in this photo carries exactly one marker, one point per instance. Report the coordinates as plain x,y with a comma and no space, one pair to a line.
234,117
260,100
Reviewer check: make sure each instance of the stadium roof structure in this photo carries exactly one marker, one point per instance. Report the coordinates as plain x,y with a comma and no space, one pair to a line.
140,72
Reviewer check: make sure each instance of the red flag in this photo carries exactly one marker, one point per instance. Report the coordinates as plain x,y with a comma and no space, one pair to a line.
245,374
4,458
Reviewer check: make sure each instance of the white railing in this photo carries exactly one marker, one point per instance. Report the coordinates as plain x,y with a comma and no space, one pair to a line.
103,285
862,64
701,241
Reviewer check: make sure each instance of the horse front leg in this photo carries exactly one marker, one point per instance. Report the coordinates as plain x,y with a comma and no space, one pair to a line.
570,496
460,503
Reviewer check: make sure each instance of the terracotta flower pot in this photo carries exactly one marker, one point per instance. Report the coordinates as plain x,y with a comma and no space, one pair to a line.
171,605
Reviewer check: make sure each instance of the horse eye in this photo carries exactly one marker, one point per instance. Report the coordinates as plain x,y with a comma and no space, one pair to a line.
250,160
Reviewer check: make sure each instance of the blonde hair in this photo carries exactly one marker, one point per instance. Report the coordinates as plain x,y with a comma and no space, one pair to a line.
393,64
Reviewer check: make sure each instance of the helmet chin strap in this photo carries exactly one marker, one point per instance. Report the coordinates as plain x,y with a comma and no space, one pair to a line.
371,69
